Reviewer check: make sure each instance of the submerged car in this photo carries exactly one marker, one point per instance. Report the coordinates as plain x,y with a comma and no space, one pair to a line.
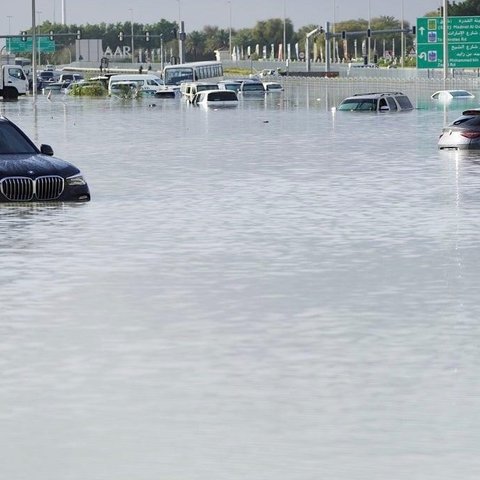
216,98
31,174
452,94
463,133
273,87
376,102
230,85
251,86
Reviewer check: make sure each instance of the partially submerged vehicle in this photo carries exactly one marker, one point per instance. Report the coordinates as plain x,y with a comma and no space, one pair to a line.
452,94
251,86
216,98
230,85
273,87
146,84
190,89
124,89
376,102
463,133
31,174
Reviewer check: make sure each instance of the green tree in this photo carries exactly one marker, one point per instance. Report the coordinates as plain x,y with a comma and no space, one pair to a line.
215,38
466,8
195,45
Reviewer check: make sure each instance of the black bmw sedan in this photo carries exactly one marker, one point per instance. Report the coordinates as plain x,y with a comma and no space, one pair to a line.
29,174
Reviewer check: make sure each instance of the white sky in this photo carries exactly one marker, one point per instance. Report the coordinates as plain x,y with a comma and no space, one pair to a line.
16,15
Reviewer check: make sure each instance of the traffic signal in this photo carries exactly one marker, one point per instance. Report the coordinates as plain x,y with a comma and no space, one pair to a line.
51,36
24,36
120,36
147,36
369,32
414,30
344,35
79,34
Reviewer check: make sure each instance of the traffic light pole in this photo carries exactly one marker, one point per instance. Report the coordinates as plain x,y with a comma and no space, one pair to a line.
34,55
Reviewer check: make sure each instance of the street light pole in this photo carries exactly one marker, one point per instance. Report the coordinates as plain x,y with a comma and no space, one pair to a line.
9,31
445,40
369,46
34,53
402,40
334,40
161,53
39,51
284,49
131,34
230,28
180,43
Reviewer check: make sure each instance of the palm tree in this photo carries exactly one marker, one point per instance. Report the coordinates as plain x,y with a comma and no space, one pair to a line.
195,44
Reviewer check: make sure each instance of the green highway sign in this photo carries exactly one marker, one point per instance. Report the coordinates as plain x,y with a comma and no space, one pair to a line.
44,45
463,42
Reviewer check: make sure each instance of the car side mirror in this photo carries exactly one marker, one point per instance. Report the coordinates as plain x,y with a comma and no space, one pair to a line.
46,150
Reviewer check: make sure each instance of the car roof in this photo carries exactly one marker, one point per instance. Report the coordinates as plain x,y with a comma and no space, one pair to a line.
376,94
453,93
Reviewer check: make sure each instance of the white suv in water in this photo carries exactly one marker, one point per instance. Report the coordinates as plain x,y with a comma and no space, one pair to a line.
376,102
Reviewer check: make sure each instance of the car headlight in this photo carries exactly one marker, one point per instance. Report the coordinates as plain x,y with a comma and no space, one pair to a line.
76,180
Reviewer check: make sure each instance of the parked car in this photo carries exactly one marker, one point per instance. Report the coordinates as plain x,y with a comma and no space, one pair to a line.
376,102
216,98
190,89
67,78
451,94
273,86
48,76
251,86
230,85
31,174
146,83
463,133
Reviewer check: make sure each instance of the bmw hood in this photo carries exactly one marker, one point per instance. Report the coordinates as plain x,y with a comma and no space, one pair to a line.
36,165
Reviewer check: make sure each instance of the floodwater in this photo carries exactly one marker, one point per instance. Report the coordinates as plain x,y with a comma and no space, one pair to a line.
275,291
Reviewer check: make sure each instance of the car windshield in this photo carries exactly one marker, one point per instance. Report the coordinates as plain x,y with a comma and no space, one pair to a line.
364,104
460,93
12,141
253,87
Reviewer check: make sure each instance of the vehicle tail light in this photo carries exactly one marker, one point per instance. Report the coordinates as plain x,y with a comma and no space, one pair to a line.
471,135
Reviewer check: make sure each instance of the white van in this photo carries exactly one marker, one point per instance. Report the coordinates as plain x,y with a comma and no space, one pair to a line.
147,83
190,89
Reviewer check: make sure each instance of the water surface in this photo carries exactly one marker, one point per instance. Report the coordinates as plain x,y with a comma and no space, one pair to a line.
276,291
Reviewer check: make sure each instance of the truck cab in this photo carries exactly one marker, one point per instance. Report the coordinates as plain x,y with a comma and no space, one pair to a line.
13,81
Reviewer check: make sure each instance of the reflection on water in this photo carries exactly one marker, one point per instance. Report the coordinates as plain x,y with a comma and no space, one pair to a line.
277,290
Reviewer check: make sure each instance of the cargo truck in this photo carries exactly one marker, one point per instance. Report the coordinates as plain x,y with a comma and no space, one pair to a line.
13,81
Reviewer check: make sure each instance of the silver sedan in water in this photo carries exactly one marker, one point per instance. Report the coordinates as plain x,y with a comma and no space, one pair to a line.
463,133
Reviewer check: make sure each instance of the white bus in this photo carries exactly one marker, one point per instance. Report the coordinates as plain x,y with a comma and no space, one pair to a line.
193,72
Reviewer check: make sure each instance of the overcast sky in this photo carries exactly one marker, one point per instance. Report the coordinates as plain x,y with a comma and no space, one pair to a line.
16,15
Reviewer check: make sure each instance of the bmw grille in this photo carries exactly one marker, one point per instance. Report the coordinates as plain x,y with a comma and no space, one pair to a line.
24,189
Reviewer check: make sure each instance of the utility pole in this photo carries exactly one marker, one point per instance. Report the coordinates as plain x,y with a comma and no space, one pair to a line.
131,34
445,40
34,53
